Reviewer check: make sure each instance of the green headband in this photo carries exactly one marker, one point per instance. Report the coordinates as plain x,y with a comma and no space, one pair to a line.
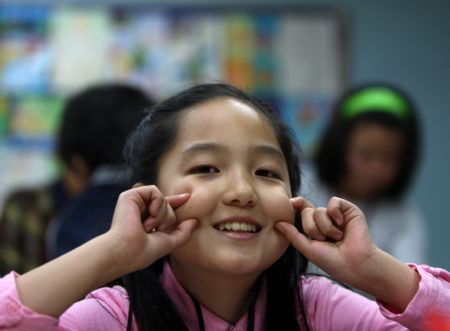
380,99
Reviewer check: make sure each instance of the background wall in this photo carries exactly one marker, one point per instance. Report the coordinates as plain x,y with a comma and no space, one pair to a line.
407,43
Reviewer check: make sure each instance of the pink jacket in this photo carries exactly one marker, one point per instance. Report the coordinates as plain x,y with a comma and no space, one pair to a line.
328,307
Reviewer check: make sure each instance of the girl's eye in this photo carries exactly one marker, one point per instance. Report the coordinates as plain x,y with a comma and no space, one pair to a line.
267,173
204,169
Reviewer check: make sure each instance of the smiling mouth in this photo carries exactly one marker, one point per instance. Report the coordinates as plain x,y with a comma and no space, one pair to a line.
238,227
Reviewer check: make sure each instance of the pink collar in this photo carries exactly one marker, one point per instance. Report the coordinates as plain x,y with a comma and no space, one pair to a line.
186,307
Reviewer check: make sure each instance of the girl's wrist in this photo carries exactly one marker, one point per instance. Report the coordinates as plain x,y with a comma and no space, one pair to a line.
389,280
123,257
110,258
116,256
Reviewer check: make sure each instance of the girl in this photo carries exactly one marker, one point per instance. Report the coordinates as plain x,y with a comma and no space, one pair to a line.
373,143
203,240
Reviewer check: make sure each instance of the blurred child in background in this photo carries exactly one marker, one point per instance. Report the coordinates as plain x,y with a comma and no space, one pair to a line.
369,154
94,125
104,117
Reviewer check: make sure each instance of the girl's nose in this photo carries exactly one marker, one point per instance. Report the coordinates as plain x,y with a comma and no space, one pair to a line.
240,192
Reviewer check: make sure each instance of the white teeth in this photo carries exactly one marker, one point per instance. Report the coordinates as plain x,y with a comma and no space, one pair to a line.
235,226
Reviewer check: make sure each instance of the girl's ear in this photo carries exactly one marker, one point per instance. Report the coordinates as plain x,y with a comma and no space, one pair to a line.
138,185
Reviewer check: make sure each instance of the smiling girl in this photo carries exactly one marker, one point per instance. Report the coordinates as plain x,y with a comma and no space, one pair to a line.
213,237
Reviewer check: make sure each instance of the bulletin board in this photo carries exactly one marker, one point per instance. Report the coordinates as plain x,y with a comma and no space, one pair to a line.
291,57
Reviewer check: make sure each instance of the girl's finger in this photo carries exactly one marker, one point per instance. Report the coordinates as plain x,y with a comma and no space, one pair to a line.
183,232
296,238
309,225
168,220
150,224
162,216
135,201
156,212
144,195
155,205
338,207
300,203
325,224
176,201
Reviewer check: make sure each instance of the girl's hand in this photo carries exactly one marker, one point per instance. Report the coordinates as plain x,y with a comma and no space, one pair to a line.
128,246
144,222
336,238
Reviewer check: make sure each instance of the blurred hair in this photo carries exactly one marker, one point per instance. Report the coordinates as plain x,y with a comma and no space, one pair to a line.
96,122
154,136
330,157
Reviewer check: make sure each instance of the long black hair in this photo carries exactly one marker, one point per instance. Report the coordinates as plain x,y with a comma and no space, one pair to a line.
382,104
154,136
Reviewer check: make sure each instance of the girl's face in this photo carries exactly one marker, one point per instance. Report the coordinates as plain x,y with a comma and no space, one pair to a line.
227,157
373,159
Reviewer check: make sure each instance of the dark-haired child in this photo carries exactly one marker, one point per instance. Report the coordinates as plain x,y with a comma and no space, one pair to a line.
368,155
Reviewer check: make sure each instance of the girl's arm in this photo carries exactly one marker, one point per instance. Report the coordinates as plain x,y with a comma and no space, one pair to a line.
338,241
131,244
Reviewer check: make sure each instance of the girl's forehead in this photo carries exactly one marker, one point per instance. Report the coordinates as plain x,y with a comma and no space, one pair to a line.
224,104
225,120
225,113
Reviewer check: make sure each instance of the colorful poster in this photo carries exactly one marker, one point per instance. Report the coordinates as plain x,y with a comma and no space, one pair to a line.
33,121
80,38
163,51
265,62
307,49
25,53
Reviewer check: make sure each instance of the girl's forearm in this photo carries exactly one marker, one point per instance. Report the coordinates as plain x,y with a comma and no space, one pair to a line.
53,287
389,280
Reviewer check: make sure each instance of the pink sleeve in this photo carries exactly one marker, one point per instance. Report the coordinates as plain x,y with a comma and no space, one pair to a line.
104,309
14,315
331,307
433,297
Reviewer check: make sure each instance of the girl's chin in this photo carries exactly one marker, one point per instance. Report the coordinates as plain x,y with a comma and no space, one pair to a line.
243,265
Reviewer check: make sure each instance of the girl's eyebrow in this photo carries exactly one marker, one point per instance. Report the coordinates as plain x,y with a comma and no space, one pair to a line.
219,148
202,147
268,150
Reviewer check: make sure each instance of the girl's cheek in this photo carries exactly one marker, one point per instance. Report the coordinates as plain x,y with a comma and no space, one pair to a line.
197,204
279,207
290,212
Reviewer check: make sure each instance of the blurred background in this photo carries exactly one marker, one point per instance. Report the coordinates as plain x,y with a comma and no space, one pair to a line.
296,55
